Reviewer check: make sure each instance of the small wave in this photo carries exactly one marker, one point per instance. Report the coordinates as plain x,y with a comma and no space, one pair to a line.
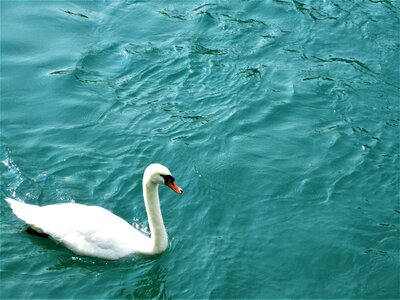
17,185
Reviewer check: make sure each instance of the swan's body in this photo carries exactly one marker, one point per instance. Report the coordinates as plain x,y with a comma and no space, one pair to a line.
95,231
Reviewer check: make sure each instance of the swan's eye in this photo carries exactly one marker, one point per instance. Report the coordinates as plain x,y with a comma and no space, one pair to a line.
168,178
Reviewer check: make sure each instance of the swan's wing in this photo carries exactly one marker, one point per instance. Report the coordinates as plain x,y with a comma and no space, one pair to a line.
86,230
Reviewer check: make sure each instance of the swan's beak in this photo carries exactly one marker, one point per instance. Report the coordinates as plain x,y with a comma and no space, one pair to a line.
172,185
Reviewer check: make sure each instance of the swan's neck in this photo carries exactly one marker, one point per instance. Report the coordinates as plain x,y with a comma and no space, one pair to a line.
159,238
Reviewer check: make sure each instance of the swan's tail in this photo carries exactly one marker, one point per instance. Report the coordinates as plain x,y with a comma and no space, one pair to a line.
26,212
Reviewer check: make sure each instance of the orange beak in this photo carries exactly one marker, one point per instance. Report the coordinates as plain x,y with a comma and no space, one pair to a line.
174,187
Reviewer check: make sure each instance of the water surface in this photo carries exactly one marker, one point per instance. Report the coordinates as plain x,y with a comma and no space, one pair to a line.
279,119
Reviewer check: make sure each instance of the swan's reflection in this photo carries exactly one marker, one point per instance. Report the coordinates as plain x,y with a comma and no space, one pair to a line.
147,282
148,285
151,285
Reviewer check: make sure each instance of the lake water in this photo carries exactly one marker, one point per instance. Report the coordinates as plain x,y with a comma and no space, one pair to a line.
279,119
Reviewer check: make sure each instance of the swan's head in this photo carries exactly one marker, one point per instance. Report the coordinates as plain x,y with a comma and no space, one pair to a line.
159,174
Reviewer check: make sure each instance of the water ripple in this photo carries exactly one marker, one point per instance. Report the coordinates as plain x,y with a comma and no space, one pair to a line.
279,119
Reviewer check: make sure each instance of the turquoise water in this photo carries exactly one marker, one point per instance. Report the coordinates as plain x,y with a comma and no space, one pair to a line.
279,119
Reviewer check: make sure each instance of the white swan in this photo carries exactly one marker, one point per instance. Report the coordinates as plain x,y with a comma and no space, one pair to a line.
95,231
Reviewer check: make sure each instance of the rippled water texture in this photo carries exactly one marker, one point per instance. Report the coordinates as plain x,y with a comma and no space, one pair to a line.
279,119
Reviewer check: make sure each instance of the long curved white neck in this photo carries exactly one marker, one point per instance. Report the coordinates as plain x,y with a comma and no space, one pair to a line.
159,238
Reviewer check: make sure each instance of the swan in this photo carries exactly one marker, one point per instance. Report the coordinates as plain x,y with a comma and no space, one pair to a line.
94,231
